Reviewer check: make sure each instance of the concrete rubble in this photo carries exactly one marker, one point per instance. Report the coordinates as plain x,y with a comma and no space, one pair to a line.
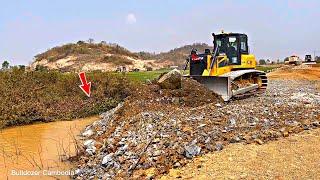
152,130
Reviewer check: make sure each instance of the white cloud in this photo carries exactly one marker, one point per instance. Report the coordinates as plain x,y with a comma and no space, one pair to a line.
131,18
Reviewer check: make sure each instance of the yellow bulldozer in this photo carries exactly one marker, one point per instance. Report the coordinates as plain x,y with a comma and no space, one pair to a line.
229,70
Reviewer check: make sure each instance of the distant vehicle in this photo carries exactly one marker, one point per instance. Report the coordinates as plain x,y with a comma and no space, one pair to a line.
135,70
308,60
121,69
174,67
293,60
149,68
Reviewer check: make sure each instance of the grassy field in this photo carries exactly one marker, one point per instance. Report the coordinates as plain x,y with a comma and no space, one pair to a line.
145,75
267,68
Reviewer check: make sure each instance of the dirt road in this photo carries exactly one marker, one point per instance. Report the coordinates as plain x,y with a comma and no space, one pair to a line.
296,157
303,72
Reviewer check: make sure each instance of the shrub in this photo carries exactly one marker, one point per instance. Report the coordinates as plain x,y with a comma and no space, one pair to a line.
117,60
27,97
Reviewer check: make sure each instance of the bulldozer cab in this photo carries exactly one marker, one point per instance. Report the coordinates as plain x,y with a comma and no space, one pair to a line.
232,45
224,70
229,45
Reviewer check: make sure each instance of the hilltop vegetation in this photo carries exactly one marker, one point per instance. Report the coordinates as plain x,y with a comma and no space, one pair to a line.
177,55
89,56
99,51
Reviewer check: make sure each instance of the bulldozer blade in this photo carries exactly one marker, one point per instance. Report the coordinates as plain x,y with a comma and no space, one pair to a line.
219,85
245,89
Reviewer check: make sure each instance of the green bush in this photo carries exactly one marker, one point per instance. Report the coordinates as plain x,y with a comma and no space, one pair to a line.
27,97
117,60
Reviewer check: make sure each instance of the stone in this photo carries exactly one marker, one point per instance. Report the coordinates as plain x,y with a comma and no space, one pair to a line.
235,139
218,105
259,141
107,160
170,80
156,140
88,133
256,120
316,123
176,101
91,151
156,153
291,123
176,165
201,125
89,143
191,151
232,122
218,146
285,134
98,145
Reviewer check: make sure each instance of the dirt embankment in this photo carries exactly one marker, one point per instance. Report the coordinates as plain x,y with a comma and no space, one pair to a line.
157,130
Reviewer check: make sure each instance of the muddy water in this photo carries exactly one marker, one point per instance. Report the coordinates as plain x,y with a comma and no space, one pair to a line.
38,150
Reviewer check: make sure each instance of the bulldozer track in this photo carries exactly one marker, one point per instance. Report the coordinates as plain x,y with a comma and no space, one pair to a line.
257,92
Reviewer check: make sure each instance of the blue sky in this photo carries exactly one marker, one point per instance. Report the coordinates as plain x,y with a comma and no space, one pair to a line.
276,28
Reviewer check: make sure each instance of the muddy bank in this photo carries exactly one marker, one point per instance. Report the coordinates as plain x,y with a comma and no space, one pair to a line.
40,147
156,132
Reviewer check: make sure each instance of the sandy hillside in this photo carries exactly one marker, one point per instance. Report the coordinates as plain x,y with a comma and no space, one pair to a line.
82,56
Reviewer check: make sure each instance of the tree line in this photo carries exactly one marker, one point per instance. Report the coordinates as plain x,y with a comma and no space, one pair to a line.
6,65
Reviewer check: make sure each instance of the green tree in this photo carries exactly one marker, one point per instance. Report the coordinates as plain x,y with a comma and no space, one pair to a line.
5,65
41,68
262,62
90,41
22,67
317,59
80,42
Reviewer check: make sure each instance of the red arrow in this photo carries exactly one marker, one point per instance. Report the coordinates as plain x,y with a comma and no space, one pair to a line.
85,86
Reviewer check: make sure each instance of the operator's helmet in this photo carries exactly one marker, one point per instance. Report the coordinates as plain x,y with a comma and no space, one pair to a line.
194,51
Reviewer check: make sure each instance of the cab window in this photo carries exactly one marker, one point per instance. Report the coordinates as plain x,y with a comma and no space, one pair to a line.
243,45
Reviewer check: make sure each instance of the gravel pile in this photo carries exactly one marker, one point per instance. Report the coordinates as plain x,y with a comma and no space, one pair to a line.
162,129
